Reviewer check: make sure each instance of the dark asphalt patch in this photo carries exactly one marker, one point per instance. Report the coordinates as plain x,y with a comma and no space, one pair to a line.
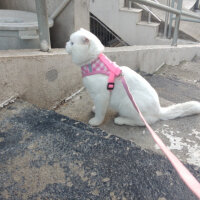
174,90
44,155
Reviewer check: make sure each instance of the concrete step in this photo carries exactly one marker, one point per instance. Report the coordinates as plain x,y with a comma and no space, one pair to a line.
151,24
133,11
115,43
147,32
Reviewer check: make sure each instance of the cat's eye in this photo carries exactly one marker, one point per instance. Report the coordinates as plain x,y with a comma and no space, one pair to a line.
71,43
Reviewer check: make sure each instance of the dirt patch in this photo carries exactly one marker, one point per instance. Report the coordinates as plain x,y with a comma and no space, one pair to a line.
32,179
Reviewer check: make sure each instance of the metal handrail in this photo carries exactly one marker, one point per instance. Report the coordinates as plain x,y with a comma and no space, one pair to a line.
166,20
166,8
149,11
178,12
41,8
59,9
112,33
146,9
43,26
196,6
182,18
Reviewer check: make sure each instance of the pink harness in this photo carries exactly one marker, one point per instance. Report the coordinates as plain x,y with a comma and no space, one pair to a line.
102,65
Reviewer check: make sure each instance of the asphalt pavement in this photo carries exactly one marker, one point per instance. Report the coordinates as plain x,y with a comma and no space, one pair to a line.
46,155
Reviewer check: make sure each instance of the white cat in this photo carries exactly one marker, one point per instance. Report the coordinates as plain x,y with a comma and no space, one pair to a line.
85,48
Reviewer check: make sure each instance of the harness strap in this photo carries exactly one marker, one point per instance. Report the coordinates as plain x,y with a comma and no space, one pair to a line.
183,172
114,71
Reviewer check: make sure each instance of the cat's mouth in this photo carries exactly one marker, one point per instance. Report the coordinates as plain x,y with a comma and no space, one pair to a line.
68,48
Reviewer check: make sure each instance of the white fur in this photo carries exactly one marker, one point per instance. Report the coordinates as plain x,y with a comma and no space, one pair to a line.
84,48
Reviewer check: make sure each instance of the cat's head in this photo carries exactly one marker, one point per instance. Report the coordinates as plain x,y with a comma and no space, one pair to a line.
83,47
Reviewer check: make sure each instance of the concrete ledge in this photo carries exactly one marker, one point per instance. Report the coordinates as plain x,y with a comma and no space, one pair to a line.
45,79
149,58
40,78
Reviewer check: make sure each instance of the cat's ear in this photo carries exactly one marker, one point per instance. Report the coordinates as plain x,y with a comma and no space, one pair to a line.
82,29
85,40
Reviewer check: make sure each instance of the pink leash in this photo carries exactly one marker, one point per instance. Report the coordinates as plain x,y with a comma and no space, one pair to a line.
183,172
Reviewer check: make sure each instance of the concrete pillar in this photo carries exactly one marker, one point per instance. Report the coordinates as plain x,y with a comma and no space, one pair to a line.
74,16
43,26
81,14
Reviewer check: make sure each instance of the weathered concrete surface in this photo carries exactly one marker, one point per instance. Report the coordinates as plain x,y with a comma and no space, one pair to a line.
174,85
45,79
150,58
39,77
44,155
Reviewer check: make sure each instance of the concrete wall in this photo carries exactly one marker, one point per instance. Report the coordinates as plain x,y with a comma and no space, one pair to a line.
150,58
40,78
74,16
125,22
45,79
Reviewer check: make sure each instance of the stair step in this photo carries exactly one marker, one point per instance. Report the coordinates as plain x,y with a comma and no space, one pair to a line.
132,15
151,24
115,43
147,32
133,10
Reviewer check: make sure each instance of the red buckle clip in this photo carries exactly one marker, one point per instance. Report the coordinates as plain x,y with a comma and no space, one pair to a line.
110,86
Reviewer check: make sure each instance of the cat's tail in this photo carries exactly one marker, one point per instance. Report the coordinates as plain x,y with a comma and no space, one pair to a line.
180,110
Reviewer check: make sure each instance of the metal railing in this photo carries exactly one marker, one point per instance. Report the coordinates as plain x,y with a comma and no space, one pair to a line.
148,10
104,33
43,27
179,6
178,12
59,9
196,6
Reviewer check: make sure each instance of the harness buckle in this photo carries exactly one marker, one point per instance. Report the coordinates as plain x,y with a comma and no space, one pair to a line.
110,86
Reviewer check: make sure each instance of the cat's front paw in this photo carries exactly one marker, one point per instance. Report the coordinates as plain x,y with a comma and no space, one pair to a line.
95,122
118,121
